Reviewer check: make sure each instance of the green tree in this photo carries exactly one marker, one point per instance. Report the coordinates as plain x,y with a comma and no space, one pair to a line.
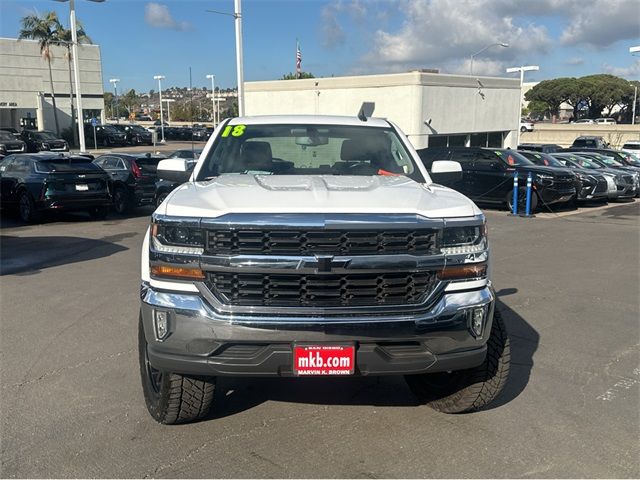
603,92
292,76
130,100
65,39
551,92
43,29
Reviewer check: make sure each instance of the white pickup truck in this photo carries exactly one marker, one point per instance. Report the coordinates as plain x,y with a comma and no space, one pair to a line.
316,245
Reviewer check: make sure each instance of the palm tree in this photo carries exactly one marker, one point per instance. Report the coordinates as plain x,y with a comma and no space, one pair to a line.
65,39
43,29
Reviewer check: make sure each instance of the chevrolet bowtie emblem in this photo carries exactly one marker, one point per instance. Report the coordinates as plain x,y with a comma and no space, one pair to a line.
324,264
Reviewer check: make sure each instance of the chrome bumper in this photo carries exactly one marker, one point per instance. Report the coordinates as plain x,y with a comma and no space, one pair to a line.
202,341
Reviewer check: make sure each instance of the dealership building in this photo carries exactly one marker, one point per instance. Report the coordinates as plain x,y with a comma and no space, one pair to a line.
25,89
433,109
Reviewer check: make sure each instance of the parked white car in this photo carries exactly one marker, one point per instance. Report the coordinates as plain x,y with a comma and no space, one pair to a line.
525,126
589,121
606,121
631,147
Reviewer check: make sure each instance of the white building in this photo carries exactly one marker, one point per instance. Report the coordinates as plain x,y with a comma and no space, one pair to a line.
25,90
432,109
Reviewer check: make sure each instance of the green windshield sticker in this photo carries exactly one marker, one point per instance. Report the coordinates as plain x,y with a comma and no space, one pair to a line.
498,153
234,130
537,156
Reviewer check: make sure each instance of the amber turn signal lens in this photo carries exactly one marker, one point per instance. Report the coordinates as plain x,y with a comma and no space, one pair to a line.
459,272
177,272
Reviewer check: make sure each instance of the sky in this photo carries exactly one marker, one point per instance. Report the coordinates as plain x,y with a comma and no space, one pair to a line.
139,39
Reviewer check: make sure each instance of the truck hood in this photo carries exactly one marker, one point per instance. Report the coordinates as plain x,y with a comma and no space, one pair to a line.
244,193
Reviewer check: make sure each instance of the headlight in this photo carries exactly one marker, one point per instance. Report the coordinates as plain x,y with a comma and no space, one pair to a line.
3,148
177,239
45,146
464,240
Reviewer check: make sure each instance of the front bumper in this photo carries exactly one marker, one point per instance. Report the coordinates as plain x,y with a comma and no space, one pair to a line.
553,195
202,341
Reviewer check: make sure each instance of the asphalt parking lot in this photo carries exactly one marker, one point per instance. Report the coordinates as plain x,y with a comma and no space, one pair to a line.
72,403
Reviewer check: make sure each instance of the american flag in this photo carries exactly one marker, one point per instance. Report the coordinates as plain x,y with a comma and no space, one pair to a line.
298,59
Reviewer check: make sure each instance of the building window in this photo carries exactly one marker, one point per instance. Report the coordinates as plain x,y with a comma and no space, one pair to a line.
438,141
457,140
479,139
496,139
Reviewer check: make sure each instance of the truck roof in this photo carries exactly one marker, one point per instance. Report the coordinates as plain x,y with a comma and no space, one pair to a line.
310,119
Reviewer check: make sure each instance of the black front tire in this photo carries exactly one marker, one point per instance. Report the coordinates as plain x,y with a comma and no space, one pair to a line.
523,129
27,208
121,201
171,398
522,201
472,389
160,198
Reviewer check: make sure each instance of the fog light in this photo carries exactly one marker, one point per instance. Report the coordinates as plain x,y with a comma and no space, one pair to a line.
161,324
477,321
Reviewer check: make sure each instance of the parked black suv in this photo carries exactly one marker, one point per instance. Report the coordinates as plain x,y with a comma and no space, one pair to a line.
135,134
133,178
106,135
34,183
540,147
487,176
590,141
590,186
43,141
10,144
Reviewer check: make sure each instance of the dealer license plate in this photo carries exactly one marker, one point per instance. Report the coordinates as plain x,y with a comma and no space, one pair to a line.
82,187
324,359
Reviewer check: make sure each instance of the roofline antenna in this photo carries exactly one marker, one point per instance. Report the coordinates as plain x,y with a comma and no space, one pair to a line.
366,110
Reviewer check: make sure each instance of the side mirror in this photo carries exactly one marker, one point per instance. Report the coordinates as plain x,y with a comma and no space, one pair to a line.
446,171
174,170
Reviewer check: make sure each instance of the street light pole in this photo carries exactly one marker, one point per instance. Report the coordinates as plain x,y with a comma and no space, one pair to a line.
160,78
632,51
237,15
213,96
527,68
239,66
169,100
499,44
115,81
76,72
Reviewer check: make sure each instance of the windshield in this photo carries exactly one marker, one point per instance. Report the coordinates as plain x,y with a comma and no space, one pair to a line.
64,163
543,159
609,161
110,129
45,136
6,137
138,129
584,163
308,150
513,158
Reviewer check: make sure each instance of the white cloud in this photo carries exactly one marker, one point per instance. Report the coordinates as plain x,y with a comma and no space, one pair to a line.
331,32
444,33
632,72
599,23
158,15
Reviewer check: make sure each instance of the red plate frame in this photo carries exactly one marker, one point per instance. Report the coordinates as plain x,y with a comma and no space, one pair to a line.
324,360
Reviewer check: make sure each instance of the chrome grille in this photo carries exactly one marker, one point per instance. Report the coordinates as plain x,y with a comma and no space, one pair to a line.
321,290
321,241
